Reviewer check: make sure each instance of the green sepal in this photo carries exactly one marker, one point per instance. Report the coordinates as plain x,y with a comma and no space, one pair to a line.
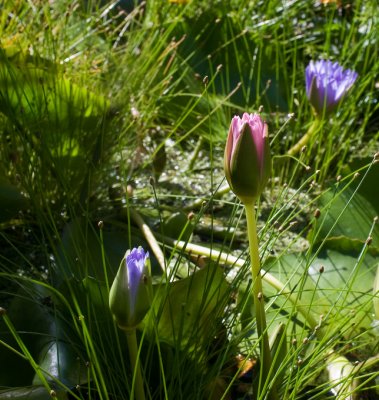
126,316
247,177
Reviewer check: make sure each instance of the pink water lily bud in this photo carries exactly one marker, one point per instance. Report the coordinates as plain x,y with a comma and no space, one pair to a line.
131,291
326,84
247,160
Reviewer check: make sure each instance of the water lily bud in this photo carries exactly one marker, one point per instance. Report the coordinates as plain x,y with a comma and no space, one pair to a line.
326,84
131,291
247,160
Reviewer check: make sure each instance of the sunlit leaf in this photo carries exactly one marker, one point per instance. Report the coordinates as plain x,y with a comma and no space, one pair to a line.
185,310
347,214
347,282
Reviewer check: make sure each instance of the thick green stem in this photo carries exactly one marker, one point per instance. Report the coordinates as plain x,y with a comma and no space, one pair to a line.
305,139
257,291
137,385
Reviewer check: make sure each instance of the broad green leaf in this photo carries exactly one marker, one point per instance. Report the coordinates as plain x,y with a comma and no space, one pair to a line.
36,326
46,334
346,214
347,282
59,360
290,269
176,226
237,57
337,285
98,294
185,310
80,251
44,100
58,121
367,187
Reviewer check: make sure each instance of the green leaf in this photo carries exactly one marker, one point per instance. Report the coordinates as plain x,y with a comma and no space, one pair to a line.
346,214
368,184
347,282
335,284
184,310
80,251
59,360
35,325
98,293
46,334
61,123
40,97
291,270
176,226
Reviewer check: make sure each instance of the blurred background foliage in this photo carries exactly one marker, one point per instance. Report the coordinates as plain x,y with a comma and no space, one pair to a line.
96,97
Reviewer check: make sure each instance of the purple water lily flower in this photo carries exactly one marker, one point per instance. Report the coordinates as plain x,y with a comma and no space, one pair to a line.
130,294
135,266
326,83
247,161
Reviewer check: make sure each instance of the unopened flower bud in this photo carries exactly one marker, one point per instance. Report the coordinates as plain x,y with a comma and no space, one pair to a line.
131,292
247,160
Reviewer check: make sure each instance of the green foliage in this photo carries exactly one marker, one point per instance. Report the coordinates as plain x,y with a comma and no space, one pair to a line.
183,310
346,213
92,93
11,200
58,125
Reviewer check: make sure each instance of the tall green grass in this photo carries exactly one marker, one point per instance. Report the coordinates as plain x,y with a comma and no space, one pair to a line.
93,98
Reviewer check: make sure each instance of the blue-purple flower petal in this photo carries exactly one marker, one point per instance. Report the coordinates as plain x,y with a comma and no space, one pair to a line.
135,264
326,83
131,294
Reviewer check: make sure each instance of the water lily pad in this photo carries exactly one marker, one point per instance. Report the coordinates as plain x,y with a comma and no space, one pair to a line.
345,213
330,283
177,227
368,184
185,310
347,282
59,360
46,335
80,251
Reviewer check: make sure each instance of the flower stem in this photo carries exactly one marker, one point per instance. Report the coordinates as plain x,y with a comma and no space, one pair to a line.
305,139
131,337
257,291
